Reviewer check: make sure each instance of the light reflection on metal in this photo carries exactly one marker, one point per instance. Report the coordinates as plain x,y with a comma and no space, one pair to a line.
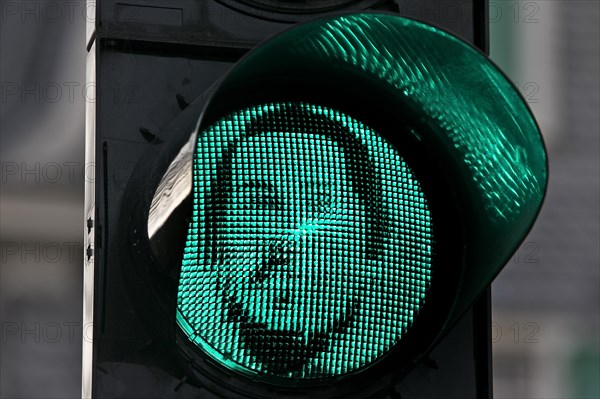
174,187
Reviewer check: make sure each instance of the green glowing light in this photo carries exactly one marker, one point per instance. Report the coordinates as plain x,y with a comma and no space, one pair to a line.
310,248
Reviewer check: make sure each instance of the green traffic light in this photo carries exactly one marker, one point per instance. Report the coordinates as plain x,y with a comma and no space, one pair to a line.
310,249
400,76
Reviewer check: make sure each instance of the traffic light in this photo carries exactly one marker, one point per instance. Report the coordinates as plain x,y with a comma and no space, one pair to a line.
313,226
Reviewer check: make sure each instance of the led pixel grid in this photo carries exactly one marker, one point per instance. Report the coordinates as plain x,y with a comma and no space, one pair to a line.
310,249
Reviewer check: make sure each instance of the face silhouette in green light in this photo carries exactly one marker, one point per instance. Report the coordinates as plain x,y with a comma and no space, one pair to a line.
309,250
291,235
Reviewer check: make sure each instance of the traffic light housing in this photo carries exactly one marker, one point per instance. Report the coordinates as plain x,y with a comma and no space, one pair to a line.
351,187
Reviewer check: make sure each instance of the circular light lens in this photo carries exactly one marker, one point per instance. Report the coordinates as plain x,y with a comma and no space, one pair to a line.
310,249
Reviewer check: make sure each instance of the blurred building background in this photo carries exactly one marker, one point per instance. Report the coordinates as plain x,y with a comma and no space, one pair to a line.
42,59
546,301
546,324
